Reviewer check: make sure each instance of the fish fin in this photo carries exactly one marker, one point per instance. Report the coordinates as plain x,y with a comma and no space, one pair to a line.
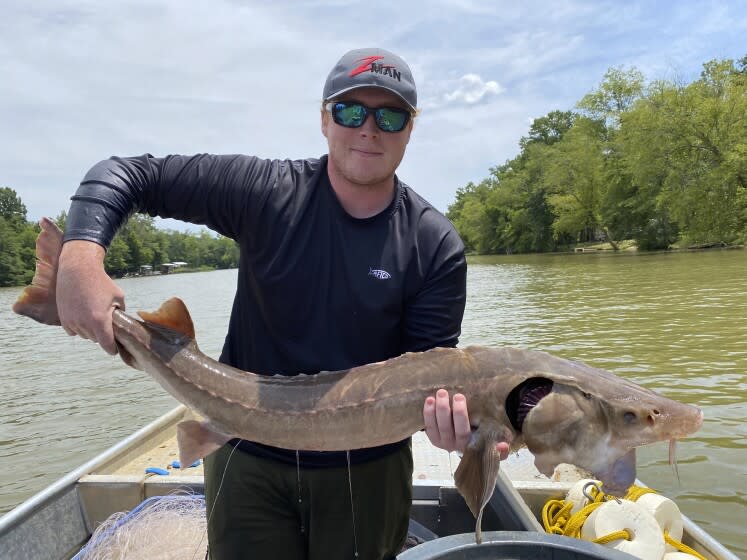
197,440
546,463
620,475
38,300
172,314
477,475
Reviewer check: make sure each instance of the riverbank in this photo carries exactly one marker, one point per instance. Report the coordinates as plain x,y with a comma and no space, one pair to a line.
630,245
624,247
171,272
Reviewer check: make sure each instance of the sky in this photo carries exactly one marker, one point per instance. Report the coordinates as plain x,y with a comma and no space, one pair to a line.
83,80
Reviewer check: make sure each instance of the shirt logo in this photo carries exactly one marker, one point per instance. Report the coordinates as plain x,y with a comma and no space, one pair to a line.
378,273
368,64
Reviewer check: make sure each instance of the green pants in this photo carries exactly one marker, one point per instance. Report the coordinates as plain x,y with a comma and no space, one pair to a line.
260,513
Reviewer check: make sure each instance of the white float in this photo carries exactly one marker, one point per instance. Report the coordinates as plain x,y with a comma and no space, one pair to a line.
647,540
667,515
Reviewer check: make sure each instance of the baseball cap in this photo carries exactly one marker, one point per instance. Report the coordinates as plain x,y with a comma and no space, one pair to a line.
372,68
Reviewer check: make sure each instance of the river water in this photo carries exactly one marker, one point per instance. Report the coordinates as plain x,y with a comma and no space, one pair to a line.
676,323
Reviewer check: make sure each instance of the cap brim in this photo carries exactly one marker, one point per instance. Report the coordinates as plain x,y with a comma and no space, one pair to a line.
361,86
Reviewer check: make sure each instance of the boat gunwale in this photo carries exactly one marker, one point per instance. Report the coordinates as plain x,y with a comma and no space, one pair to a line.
40,500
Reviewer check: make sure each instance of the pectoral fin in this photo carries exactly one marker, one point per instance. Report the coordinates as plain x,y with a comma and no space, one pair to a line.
197,440
618,476
477,474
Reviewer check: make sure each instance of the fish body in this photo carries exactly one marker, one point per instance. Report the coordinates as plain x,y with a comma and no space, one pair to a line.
563,411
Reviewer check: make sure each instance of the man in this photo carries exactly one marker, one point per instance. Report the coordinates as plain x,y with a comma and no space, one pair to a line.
341,264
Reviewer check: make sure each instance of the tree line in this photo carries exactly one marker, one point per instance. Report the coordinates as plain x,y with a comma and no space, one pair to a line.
661,163
137,244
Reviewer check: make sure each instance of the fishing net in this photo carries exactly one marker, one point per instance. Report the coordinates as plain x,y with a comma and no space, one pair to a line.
162,528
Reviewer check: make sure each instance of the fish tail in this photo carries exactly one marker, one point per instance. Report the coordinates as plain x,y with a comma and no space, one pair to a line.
38,300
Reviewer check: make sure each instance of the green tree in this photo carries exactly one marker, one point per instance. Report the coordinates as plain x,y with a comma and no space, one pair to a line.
11,207
620,88
11,265
117,261
577,180
685,147
17,238
523,195
659,163
474,218
548,129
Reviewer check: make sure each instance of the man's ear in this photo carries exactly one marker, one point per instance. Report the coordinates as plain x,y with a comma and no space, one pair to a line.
325,122
408,130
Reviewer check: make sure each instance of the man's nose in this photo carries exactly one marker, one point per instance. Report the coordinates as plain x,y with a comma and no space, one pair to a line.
369,127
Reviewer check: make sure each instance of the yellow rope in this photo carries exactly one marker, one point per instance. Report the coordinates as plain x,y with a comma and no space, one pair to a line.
555,515
617,535
577,520
635,492
681,547
557,518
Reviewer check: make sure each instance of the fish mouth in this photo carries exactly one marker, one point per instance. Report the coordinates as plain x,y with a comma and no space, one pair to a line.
524,397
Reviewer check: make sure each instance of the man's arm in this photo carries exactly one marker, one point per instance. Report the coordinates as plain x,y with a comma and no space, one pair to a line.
211,190
203,189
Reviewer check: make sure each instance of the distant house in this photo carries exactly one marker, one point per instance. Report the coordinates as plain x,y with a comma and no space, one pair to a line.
146,270
167,268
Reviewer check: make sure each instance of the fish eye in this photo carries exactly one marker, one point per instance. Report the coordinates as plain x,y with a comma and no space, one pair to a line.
630,417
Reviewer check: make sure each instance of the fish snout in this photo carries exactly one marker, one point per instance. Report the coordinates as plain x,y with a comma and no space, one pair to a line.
663,422
684,421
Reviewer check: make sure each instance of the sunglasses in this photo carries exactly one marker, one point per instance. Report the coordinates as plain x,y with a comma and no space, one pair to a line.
352,114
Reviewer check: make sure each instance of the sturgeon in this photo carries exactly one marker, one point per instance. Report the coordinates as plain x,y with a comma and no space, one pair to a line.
563,411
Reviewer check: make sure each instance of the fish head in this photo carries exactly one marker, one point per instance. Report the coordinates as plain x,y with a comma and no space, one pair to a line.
594,420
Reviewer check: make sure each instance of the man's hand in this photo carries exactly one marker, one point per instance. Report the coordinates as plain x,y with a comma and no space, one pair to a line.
86,295
448,426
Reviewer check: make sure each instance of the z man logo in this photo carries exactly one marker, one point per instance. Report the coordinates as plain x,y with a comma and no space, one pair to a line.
368,64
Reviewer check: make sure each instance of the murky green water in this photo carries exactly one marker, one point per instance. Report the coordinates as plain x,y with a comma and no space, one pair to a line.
676,323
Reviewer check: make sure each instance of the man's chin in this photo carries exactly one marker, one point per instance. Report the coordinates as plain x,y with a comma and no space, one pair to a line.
370,180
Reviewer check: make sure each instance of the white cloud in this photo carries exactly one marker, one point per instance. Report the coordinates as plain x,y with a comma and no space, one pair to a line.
472,89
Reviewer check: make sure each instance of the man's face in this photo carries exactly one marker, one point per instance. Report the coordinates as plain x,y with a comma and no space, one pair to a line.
365,156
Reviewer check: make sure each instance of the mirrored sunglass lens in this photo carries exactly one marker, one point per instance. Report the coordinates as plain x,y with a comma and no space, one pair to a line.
351,115
391,120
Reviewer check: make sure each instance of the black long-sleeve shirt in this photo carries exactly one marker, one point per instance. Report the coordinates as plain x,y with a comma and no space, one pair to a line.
317,289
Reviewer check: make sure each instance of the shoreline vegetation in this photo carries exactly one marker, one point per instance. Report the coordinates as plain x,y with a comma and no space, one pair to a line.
139,248
661,162
650,166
